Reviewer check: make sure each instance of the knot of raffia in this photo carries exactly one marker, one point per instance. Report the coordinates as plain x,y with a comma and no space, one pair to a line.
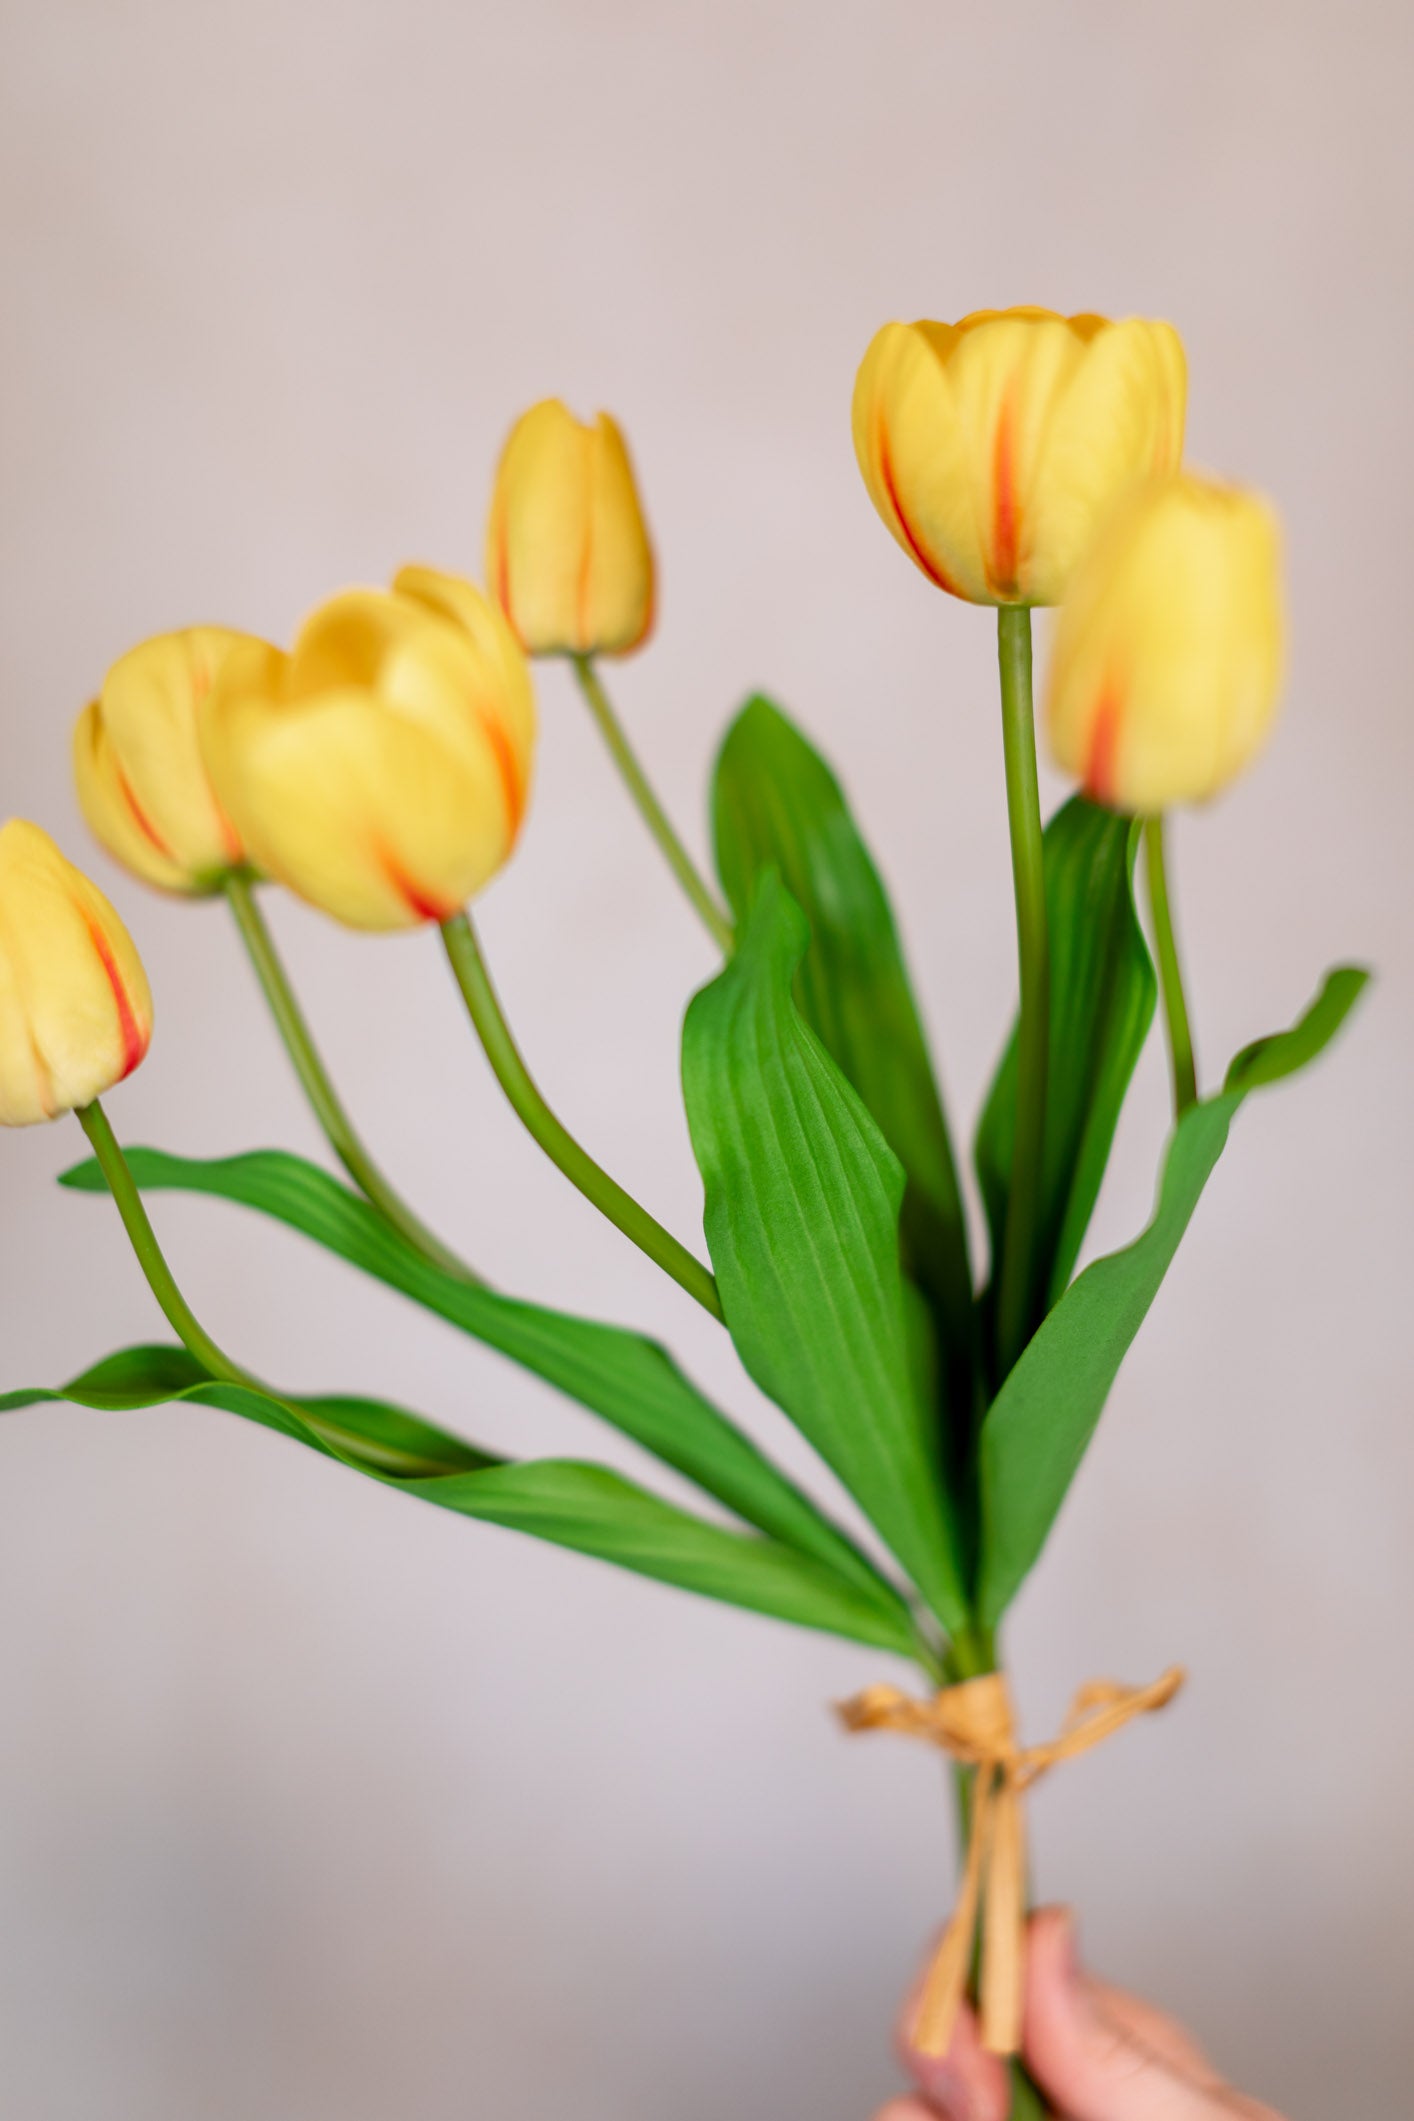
973,1724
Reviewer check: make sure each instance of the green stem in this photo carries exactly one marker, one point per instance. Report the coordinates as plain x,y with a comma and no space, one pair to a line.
188,1327
654,816
1015,1294
970,1654
1185,1074
579,1167
323,1097
143,1239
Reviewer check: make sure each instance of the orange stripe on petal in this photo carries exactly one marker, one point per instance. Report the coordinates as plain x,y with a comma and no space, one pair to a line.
886,473
1099,782
419,903
1006,538
509,770
135,1039
140,817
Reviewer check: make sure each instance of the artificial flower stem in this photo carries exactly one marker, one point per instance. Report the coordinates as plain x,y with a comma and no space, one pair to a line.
1180,1036
971,1653
189,1329
508,1066
653,814
314,1078
1015,1293
143,1239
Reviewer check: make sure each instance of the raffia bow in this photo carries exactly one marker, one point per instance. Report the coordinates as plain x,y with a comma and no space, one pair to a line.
973,1723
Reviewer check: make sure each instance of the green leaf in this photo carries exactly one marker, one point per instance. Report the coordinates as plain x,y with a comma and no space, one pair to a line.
802,1220
1046,1412
628,1380
1102,1003
572,1504
776,803
376,1435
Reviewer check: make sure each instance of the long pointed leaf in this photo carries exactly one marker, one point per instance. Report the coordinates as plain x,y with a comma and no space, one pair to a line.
802,1219
626,1379
776,803
572,1504
1102,1003
1046,1412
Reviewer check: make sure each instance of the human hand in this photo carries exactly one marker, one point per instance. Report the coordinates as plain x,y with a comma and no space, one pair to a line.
1097,2053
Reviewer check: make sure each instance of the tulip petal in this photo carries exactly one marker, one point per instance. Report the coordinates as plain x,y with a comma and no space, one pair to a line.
990,447
381,770
142,786
75,1006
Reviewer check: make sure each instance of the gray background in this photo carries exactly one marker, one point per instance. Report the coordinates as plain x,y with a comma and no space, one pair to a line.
315,1803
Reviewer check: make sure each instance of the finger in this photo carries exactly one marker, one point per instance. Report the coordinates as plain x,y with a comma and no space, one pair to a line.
906,2110
965,2084
1154,2029
1097,2064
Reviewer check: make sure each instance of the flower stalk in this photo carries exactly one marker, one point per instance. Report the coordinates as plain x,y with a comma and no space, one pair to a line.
650,809
1033,954
328,1108
188,1327
508,1066
143,1239
1180,1036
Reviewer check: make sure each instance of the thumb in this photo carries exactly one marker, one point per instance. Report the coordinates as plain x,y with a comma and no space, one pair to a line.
1100,2057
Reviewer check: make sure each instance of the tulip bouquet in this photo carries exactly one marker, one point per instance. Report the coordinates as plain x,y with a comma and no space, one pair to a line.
380,768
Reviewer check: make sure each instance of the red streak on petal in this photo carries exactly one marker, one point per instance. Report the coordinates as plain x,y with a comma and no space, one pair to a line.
1099,783
229,835
135,1039
886,473
140,817
508,768
412,895
1007,525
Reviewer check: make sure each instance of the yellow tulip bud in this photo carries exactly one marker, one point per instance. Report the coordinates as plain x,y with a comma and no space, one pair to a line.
992,447
1168,649
75,1006
567,552
142,786
381,770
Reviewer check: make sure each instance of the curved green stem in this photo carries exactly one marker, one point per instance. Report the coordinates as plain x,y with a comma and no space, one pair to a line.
653,813
143,1239
188,1327
1180,1037
579,1167
1015,1294
314,1078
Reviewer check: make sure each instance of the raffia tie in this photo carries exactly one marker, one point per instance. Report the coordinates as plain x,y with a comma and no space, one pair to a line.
973,1724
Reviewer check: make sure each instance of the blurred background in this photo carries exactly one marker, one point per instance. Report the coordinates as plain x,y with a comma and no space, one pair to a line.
315,1802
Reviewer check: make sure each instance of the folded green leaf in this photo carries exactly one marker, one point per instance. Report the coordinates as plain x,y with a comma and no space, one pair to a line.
1102,1003
1045,1414
776,803
371,1433
802,1220
625,1378
572,1504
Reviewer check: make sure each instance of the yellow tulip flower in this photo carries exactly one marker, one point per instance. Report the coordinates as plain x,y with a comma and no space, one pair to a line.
75,1006
1168,649
381,770
567,551
992,447
142,786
